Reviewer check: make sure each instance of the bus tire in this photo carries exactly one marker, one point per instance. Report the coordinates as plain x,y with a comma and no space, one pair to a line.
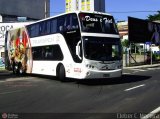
20,69
14,68
61,72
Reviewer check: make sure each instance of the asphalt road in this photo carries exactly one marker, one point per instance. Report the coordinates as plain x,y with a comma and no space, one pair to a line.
136,95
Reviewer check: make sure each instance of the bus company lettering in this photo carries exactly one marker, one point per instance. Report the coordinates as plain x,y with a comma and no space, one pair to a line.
88,18
42,41
106,20
78,70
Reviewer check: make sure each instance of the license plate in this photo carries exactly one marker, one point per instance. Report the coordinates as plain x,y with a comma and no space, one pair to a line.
106,75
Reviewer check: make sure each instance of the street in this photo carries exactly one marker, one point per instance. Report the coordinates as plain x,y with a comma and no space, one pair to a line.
135,96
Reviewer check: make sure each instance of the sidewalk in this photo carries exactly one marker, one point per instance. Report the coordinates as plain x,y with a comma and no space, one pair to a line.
142,66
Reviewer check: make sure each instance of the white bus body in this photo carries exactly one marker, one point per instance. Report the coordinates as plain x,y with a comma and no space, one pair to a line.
74,45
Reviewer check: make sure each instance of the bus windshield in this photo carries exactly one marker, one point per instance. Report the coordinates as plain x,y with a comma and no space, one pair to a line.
97,23
102,49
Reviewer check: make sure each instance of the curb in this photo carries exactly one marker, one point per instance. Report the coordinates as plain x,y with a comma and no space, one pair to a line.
5,72
142,66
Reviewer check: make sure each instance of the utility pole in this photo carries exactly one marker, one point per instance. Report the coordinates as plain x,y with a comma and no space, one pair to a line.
1,19
45,8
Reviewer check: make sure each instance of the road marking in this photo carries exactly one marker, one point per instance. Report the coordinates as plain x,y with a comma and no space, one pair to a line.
126,73
138,69
134,87
153,68
10,92
151,114
135,72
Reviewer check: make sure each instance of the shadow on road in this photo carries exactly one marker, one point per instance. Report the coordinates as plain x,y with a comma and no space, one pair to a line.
50,77
91,82
94,82
9,76
4,75
114,81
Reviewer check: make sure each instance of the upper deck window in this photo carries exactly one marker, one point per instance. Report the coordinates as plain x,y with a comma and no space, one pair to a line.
97,23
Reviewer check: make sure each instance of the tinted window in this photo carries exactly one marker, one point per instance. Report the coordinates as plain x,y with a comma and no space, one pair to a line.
97,23
52,52
72,35
48,27
61,21
71,22
102,49
60,24
43,28
53,25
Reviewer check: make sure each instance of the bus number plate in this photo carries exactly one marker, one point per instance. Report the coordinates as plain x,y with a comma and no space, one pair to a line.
106,75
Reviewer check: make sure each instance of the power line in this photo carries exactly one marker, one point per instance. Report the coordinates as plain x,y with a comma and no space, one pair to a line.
57,12
114,11
131,11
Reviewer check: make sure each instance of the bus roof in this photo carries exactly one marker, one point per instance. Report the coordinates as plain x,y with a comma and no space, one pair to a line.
77,12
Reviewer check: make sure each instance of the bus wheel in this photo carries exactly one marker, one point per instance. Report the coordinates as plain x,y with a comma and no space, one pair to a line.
61,72
20,69
14,69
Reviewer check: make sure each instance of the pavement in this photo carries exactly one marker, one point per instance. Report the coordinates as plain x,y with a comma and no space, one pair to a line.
4,72
142,66
157,114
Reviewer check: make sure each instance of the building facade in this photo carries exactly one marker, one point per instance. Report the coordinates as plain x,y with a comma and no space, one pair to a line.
123,29
85,5
11,10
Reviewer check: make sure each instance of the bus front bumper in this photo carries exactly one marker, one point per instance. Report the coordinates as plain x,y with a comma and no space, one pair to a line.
92,74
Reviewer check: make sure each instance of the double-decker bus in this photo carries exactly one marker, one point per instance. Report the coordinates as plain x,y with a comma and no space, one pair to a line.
80,45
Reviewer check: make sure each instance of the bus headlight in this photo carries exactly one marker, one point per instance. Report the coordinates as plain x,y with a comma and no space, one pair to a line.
119,66
90,66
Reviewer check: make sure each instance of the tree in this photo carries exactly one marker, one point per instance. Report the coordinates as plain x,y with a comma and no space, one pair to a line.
154,17
125,43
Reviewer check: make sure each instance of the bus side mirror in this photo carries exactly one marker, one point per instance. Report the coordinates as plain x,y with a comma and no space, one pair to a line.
78,50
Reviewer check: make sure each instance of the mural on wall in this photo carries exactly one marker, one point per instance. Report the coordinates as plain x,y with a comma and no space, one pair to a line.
19,48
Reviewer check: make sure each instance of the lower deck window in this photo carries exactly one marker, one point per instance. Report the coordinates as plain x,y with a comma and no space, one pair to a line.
50,52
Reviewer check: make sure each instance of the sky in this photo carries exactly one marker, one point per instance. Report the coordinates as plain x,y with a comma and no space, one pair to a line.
120,9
